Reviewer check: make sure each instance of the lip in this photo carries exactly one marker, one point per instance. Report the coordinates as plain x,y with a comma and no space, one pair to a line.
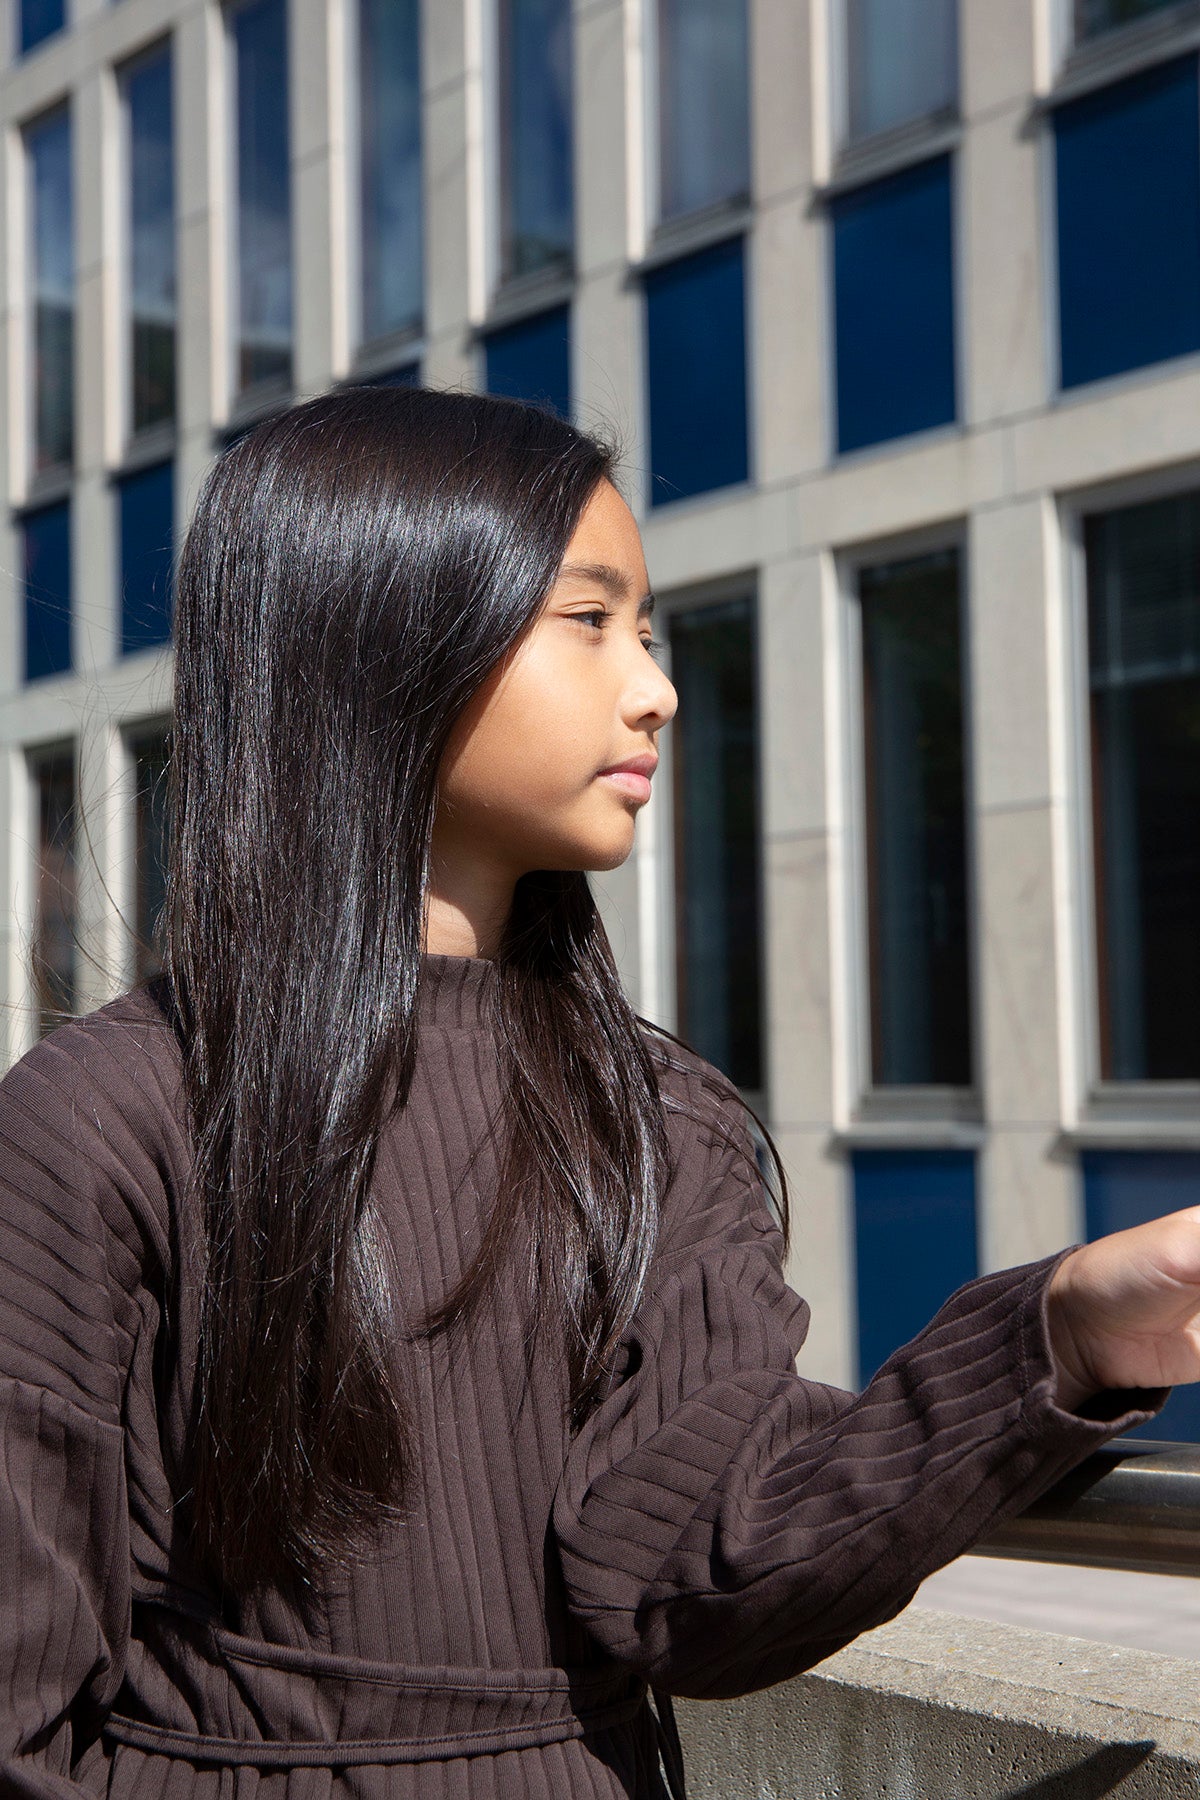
633,775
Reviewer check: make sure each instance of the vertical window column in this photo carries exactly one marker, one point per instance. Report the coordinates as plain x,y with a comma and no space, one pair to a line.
149,243
915,826
150,752
696,372
51,291
1143,604
535,122
261,198
531,360
718,837
46,568
389,119
703,106
901,63
53,951
915,1243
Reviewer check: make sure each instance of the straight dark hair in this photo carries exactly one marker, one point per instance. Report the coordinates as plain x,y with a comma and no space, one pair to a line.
353,571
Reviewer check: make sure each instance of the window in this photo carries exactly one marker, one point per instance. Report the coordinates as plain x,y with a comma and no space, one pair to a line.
389,94
718,938
916,814
53,952
1143,604
151,752
895,362
703,105
915,1243
1127,162
262,309
1094,17
51,289
150,242
404,375
36,20
535,123
532,360
696,373
46,545
1122,1188
901,59
146,509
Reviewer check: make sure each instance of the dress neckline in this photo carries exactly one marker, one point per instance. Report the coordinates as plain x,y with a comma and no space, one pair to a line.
455,991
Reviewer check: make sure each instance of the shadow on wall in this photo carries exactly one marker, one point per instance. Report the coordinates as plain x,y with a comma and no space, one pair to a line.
1101,1773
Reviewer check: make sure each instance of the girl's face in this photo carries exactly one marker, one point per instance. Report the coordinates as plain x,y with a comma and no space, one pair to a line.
520,785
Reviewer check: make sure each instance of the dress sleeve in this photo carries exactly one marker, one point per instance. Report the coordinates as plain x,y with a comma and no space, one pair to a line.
724,1523
65,1349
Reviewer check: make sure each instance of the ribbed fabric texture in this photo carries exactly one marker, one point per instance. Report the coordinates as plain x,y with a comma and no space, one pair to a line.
719,1524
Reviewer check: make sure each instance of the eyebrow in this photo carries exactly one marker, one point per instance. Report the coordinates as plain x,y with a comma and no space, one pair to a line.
611,580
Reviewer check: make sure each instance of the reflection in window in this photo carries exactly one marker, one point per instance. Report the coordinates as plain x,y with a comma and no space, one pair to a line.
696,373
38,19
717,837
262,215
1143,586
532,360
1124,1188
536,225
901,62
150,270
151,752
703,105
52,288
46,562
389,92
915,1243
915,822
146,508
1127,174
1094,17
895,362
53,953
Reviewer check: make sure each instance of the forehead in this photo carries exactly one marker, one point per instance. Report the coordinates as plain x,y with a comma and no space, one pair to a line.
607,534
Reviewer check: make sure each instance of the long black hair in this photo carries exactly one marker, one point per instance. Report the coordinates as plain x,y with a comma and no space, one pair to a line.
353,571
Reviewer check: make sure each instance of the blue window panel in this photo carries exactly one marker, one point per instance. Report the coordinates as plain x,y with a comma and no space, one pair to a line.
696,373
263,211
47,559
536,202
389,76
1122,1188
1127,164
146,503
407,375
532,360
915,1242
893,306
38,19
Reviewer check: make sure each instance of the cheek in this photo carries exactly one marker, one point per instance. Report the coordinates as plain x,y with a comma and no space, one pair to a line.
535,745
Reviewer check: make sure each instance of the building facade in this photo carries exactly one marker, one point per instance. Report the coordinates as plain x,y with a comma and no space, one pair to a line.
894,307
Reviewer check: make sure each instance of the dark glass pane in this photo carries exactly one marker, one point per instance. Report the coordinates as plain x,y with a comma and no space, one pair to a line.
1127,164
535,136
717,837
1093,17
151,273
146,503
1143,566
696,373
152,827
264,249
52,281
46,536
1123,1188
532,360
54,934
895,359
916,823
39,19
390,147
901,61
703,101
407,375
915,1243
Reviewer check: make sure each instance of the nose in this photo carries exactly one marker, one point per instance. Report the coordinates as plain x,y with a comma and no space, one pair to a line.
650,698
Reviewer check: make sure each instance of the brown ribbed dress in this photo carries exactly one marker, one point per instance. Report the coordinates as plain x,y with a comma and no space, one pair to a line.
718,1525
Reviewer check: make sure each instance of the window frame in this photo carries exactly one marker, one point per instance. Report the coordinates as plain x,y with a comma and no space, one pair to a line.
855,161
719,219
509,298
655,868
1081,64
938,1113
1097,1111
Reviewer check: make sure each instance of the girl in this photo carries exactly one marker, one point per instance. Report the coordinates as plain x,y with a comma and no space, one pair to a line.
397,1372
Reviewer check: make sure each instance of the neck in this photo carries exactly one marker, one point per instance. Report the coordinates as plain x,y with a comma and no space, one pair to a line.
467,903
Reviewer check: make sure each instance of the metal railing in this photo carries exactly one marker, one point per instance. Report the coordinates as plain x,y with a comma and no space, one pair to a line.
1135,1504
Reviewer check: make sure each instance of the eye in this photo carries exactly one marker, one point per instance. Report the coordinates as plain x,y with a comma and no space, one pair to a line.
587,617
653,646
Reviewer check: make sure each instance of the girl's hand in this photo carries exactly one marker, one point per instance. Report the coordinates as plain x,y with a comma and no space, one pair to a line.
1125,1310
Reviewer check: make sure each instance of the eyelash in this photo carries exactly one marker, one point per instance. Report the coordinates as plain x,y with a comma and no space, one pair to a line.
652,644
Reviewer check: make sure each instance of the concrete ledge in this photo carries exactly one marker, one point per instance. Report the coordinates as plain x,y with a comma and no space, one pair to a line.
934,1707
